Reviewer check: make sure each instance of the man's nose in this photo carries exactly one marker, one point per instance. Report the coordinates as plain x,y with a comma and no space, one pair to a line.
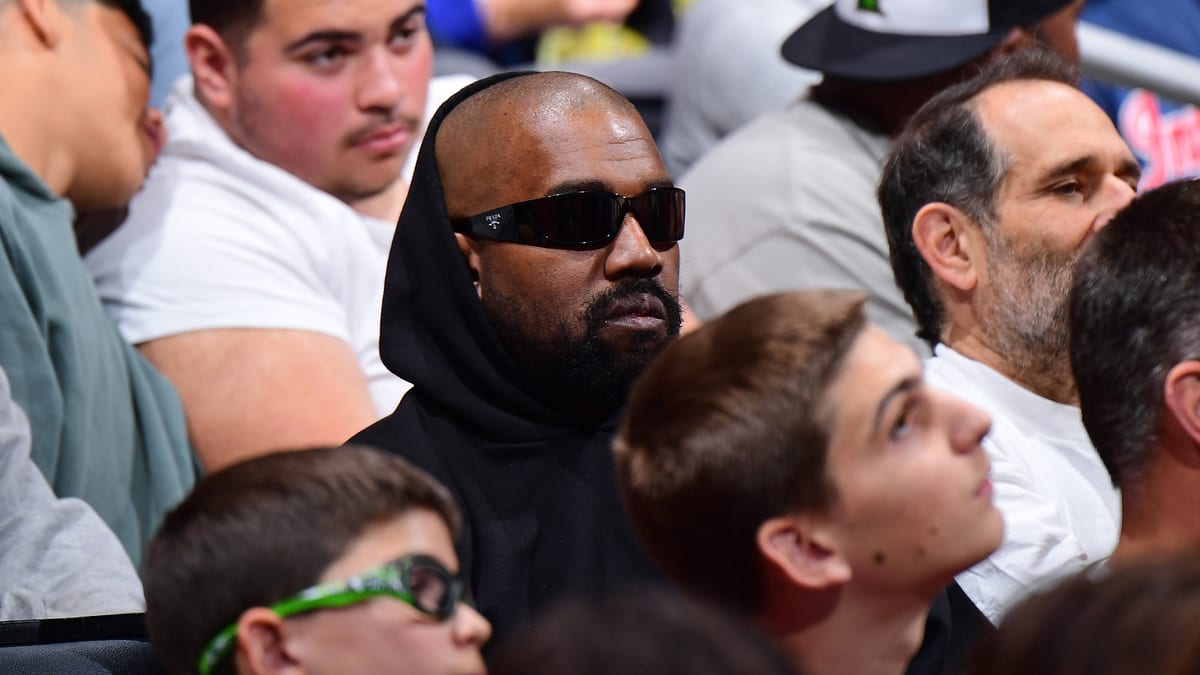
470,628
156,133
631,253
968,425
380,82
1116,194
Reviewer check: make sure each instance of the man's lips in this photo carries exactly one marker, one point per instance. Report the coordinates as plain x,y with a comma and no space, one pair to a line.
985,486
386,138
639,311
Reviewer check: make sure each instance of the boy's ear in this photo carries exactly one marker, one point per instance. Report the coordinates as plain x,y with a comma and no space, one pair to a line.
213,65
950,243
1181,396
803,550
262,645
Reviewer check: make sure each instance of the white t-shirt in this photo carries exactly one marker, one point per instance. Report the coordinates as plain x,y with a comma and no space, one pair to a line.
219,239
1061,511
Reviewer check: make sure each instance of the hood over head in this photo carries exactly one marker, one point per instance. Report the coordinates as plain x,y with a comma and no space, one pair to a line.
434,331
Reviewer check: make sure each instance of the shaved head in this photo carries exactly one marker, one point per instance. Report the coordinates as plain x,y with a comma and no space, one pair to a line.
566,315
492,134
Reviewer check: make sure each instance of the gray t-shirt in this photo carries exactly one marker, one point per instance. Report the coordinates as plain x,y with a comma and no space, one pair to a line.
788,202
728,71
57,558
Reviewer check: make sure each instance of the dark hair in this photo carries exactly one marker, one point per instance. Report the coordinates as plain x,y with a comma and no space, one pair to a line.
1135,314
130,8
259,531
945,155
725,430
1140,619
643,632
233,20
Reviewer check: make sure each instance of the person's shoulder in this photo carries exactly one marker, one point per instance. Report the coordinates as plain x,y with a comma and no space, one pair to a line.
752,154
802,140
403,433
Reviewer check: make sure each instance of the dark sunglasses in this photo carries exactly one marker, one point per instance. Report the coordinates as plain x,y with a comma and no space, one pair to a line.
588,218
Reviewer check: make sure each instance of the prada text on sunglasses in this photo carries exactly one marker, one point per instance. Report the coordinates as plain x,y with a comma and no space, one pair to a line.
587,218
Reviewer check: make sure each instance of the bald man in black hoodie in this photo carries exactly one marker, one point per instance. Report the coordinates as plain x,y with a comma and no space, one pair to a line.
522,325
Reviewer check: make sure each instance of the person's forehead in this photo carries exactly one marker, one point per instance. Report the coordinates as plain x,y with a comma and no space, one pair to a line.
1039,124
417,531
874,366
298,17
526,153
122,31
606,146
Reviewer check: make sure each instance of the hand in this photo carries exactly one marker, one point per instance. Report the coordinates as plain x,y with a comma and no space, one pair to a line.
509,19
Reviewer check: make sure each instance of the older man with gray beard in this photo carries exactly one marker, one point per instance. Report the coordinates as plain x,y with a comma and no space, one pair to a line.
988,199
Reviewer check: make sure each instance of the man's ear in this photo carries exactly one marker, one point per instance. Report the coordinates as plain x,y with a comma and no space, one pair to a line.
213,64
45,19
1181,394
950,243
803,550
1015,40
262,647
470,251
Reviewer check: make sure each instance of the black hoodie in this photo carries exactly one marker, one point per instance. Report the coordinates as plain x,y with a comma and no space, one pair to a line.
543,516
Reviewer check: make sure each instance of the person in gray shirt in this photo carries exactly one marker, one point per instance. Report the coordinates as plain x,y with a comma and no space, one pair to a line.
788,200
58,558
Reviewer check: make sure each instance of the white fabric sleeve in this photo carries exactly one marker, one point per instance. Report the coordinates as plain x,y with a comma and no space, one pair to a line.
1039,545
207,257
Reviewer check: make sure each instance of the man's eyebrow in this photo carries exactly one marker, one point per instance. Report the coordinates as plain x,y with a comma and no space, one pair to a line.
1129,168
322,36
904,386
145,64
334,35
140,53
1069,167
595,185
407,16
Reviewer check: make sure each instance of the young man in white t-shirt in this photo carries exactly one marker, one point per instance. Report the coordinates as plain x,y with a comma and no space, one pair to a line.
250,270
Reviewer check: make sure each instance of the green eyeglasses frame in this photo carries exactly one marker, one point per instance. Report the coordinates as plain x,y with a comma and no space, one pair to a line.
421,581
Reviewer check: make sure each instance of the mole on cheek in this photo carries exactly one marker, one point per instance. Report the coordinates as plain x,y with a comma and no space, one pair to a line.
879,558
933,530
920,551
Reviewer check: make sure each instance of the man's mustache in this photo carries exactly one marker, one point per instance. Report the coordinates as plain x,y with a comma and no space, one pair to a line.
601,306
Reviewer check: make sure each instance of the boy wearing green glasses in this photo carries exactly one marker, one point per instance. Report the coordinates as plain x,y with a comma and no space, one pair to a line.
321,561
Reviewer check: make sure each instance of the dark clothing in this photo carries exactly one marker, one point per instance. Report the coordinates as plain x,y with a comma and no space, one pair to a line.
538,490
543,516
954,625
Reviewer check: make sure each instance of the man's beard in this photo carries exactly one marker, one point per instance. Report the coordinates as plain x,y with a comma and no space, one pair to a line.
586,376
1023,313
